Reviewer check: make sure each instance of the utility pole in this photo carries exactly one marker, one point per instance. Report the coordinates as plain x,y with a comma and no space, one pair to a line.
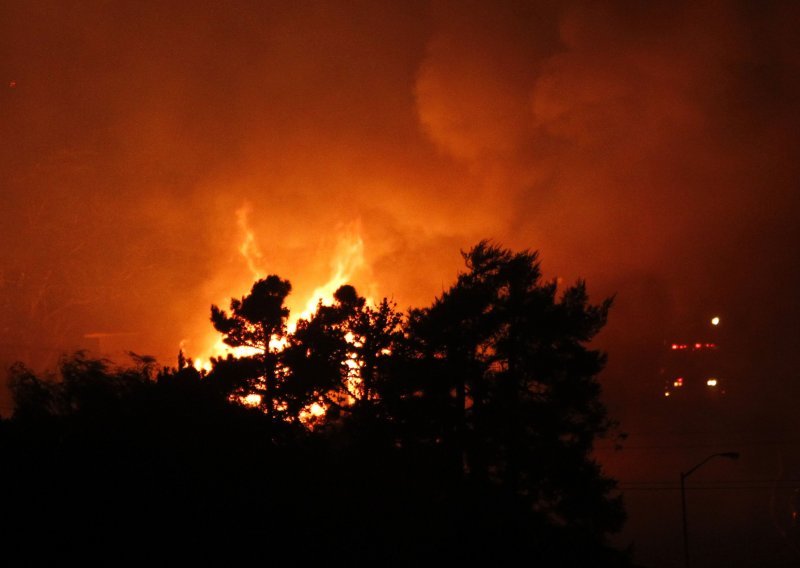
729,455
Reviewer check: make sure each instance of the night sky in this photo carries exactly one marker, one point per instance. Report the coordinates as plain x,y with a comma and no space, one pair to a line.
157,157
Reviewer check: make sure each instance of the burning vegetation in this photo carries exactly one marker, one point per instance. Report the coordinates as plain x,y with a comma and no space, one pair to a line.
462,431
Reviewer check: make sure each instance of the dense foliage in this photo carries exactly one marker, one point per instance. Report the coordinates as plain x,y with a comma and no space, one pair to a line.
460,433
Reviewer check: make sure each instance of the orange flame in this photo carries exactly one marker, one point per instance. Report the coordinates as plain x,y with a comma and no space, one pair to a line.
249,247
348,259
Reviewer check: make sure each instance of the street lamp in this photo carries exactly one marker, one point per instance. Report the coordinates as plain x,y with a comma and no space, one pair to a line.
684,475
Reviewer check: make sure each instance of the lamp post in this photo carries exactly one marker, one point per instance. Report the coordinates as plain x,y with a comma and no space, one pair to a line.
684,475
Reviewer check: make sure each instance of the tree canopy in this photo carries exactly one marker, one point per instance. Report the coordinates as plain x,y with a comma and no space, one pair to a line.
460,432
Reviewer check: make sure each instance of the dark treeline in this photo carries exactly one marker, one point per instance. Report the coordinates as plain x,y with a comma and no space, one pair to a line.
457,434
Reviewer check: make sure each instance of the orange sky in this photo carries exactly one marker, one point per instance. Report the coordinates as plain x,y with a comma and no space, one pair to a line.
648,147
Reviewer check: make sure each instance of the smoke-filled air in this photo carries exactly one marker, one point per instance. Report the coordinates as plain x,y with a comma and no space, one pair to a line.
160,157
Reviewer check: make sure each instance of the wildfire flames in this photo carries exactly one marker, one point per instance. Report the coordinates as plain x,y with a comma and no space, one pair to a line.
348,259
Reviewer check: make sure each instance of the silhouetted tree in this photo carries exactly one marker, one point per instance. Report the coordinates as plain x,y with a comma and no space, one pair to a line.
460,434
83,385
341,355
99,459
257,320
507,363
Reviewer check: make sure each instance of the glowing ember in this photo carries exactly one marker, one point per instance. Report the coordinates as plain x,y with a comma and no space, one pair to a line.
313,413
251,399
